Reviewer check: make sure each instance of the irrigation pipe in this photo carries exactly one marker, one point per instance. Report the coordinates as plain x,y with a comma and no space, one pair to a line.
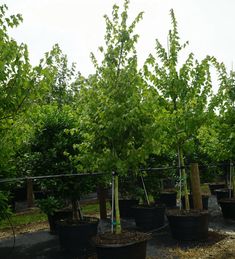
157,229
5,180
46,177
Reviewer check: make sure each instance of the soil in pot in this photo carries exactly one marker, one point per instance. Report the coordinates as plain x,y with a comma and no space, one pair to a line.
56,217
76,236
223,193
189,225
228,208
126,245
204,201
168,198
214,186
149,217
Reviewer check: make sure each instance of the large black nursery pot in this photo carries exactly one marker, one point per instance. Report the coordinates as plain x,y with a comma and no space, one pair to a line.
189,225
168,198
214,186
149,217
19,194
127,245
76,236
56,217
223,193
125,207
228,208
204,201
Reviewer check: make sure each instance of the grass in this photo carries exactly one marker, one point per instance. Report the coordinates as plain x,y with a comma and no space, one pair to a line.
23,219
35,216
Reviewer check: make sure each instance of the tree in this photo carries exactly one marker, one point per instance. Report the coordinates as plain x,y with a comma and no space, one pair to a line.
184,92
15,69
113,121
60,86
218,140
16,85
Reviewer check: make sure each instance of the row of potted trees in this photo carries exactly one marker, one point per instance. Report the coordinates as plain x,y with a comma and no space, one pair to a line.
123,116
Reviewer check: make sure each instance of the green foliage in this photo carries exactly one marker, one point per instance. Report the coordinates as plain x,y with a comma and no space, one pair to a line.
184,90
16,84
4,207
58,78
112,116
15,69
218,139
50,204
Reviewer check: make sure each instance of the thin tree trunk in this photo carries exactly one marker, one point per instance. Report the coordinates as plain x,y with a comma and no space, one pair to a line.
75,209
118,221
184,176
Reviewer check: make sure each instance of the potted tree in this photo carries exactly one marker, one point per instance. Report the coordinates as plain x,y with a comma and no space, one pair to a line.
150,214
184,93
55,210
50,148
114,125
226,98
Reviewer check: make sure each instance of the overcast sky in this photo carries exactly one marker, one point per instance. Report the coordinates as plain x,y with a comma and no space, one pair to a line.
78,26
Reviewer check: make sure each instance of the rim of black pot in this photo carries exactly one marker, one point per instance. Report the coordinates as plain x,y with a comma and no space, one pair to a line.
227,200
194,213
147,236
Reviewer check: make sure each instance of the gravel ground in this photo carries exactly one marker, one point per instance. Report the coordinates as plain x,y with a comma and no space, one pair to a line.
39,244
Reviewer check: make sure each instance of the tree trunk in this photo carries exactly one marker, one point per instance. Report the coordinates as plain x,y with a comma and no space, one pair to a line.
184,176
196,187
118,221
77,214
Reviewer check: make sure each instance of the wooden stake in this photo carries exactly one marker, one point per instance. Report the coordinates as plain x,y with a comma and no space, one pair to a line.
196,187
102,201
30,196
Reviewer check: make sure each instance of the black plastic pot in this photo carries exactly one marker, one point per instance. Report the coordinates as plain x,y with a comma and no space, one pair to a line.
38,195
56,217
149,217
168,198
228,208
222,194
131,250
19,194
188,226
214,186
125,207
204,202
76,237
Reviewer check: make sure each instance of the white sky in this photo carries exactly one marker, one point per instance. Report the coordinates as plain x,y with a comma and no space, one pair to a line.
78,26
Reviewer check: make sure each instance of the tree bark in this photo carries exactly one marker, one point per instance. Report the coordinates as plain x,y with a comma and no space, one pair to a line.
118,221
184,176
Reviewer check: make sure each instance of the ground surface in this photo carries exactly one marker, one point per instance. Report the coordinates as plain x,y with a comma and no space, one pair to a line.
37,243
